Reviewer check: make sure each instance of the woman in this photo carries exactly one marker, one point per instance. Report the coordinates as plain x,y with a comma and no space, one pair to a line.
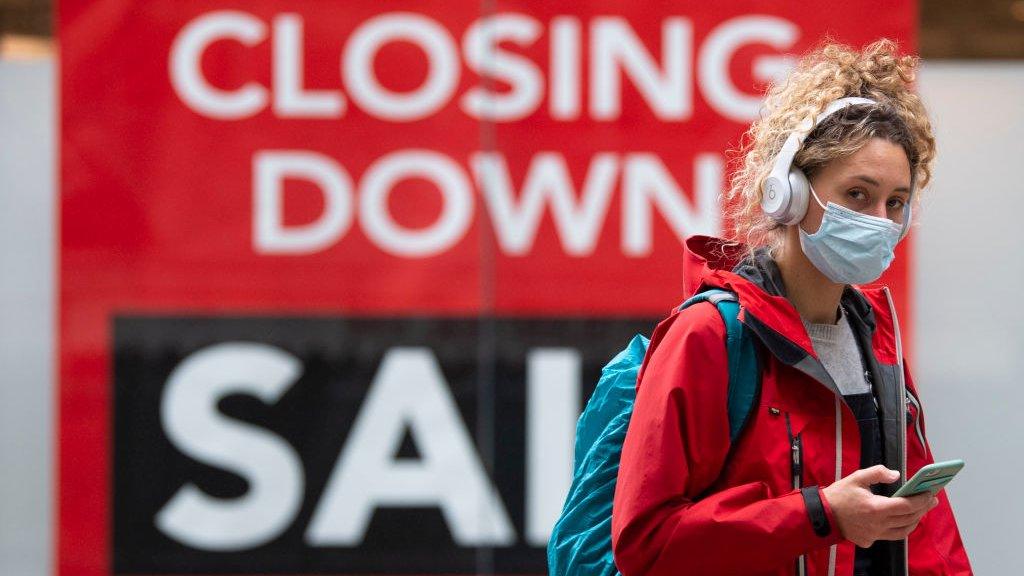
805,488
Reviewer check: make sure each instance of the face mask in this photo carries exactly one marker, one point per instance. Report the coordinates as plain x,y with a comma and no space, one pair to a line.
850,247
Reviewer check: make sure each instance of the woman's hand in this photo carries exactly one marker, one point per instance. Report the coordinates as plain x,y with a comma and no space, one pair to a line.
864,517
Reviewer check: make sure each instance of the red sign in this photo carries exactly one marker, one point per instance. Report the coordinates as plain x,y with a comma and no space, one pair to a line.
404,159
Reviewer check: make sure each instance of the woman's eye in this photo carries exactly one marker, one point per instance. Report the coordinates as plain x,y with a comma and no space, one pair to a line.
895,203
856,194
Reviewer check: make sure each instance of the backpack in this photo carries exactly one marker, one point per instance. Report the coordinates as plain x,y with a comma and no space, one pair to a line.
581,540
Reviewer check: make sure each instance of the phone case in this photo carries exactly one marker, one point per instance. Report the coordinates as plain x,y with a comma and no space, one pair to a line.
931,478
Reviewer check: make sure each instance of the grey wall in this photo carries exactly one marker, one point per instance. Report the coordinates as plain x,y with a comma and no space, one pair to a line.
969,323
27,242
968,328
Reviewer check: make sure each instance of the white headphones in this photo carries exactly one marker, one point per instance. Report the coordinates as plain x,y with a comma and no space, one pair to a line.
786,190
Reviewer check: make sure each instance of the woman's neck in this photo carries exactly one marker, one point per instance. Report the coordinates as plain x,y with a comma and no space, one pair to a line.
813,295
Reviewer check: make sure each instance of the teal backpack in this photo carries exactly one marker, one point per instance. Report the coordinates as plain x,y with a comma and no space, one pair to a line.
581,540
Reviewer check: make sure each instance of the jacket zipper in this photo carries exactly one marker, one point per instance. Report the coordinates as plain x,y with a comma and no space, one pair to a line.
796,472
871,384
911,401
837,399
903,399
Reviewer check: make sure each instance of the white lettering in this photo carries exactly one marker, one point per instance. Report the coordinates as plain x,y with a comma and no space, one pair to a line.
186,65
409,392
428,98
547,181
456,211
648,183
291,100
565,68
272,469
270,169
718,51
615,46
553,405
481,46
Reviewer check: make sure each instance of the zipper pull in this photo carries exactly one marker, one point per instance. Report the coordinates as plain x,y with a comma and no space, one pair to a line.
797,465
794,449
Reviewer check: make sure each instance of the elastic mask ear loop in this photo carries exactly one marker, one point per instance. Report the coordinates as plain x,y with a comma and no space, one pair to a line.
818,200
815,194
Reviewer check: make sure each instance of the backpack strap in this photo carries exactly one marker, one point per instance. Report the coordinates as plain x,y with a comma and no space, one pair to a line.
744,372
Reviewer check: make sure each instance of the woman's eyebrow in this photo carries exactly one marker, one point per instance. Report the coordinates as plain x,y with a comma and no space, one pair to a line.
874,182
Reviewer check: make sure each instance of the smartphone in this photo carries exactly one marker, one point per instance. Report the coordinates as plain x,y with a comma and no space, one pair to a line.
931,478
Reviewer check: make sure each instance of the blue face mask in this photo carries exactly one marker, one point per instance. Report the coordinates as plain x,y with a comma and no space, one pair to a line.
850,247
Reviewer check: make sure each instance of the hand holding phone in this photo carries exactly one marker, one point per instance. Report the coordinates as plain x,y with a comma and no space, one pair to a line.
864,517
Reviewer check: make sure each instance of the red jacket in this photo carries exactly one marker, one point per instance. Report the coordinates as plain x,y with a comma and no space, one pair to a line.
686,502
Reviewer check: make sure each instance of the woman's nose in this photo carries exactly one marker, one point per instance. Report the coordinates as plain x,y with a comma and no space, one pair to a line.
878,210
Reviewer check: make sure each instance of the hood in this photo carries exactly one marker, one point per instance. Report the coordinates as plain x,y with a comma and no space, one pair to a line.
711,262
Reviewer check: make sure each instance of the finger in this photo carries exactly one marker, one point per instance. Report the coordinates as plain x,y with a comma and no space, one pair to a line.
899,532
888,507
920,501
923,497
908,520
877,474
902,505
929,504
904,519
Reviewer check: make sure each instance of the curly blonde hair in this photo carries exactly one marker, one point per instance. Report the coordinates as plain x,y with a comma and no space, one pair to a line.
828,72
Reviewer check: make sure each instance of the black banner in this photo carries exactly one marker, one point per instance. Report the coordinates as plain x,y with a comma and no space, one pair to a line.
347,445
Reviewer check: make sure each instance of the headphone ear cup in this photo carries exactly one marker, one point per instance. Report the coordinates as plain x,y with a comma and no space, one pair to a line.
800,188
775,197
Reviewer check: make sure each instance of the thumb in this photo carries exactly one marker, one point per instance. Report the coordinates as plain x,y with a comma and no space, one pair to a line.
878,474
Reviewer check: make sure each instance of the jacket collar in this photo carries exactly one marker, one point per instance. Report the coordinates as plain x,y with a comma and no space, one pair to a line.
757,281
